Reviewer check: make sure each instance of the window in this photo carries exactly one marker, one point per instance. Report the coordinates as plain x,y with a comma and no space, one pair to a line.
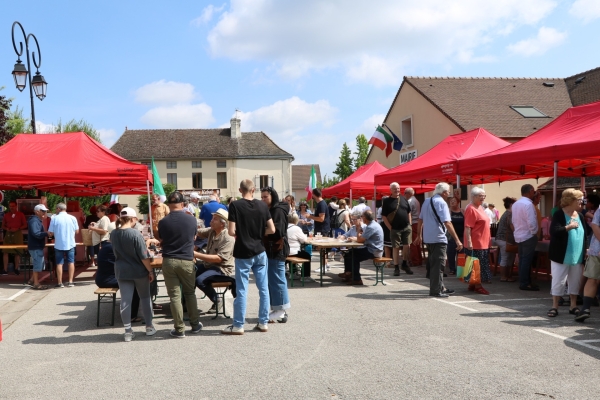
221,180
529,112
264,181
407,132
197,180
172,179
221,163
147,164
196,164
171,164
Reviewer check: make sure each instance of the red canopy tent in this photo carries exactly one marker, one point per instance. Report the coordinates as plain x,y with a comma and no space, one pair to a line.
69,164
360,183
442,162
568,146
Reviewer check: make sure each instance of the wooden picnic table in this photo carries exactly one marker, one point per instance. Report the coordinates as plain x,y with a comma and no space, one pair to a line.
325,243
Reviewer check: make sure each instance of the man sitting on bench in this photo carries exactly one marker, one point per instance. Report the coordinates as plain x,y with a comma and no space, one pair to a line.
218,259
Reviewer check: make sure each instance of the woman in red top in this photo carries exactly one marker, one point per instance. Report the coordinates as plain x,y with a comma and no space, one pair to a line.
477,237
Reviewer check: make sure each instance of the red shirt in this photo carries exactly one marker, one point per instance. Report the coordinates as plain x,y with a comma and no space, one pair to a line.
14,220
478,221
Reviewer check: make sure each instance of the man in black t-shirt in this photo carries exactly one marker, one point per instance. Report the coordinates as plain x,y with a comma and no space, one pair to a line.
322,220
395,214
176,233
249,221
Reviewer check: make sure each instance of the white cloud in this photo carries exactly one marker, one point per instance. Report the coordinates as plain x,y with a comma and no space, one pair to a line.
108,137
207,15
165,92
370,124
586,10
41,127
546,39
179,116
370,43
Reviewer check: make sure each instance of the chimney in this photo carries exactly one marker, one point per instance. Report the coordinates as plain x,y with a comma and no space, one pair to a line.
235,128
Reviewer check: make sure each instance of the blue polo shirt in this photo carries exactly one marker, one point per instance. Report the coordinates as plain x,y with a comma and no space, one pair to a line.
433,231
36,235
64,227
208,209
373,235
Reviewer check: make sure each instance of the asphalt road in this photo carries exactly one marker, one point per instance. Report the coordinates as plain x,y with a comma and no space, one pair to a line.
371,342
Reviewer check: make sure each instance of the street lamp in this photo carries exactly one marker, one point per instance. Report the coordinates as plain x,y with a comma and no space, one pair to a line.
21,73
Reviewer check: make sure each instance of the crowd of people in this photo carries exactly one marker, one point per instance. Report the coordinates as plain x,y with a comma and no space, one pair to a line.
258,235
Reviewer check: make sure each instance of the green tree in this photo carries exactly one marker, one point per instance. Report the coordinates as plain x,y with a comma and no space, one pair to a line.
17,123
362,151
5,134
78,126
328,182
143,199
344,167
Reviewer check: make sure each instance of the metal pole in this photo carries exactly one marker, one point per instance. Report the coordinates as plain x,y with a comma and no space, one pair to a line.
583,186
375,200
149,208
554,183
458,187
351,198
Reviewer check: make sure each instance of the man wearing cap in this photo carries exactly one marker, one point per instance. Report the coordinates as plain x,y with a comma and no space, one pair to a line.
64,227
194,207
218,259
13,223
36,241
210,208
159,210
176,233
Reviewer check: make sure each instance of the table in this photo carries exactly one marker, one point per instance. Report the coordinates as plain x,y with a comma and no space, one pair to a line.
328,243
18,248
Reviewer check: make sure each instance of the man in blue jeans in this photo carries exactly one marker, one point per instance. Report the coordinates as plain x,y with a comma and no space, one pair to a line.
524,219
36,241
249,221
63,227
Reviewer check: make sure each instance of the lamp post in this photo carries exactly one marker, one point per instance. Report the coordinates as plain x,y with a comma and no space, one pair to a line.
21,73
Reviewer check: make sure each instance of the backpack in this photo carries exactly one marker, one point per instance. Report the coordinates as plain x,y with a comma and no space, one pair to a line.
335,221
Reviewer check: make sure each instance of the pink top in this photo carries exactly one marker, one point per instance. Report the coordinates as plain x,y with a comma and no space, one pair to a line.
478,221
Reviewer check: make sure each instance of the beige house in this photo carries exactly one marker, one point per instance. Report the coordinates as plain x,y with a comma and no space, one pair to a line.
209,160
426,110
300,178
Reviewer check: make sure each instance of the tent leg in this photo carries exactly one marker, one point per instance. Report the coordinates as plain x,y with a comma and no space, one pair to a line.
351,198
583,186
554,183
458,187
149,208
375,200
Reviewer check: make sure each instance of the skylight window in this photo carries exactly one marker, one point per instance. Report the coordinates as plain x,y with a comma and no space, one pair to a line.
529,112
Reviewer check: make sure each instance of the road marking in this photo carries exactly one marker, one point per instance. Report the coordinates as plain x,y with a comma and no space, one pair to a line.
566,339
14,296
486,301
455,305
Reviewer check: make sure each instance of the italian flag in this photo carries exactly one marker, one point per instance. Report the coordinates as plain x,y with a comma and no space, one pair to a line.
383,140
312,183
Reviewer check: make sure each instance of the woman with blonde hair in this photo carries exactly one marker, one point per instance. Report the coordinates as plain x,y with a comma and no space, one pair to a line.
477,237
567,249
342,218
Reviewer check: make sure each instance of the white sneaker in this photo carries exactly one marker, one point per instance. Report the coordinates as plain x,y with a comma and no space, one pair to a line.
129,336
233,330
317,270
150,331
261,327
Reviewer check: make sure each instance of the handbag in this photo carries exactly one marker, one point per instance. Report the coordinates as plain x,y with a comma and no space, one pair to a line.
390,217
86,236
464,270
512,248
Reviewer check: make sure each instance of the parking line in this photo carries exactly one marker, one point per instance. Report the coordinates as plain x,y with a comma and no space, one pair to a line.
14,296
456,305
566,339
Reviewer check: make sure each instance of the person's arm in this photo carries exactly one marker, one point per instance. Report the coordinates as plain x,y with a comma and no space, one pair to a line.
270,227
359,235
231,228
346,219
469,241
203,233
320,218
23,222
151,241
532,222
146,262
419,238
38,233
387,223
450,228
209,258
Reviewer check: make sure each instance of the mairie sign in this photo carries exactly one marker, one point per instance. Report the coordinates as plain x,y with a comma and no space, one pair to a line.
408,156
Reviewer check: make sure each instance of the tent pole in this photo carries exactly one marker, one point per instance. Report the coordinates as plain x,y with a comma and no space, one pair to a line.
583,186
458,187
149,208
554,183
351,199
375,200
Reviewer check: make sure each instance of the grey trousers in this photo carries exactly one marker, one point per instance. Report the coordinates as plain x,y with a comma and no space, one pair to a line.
127,286
436,260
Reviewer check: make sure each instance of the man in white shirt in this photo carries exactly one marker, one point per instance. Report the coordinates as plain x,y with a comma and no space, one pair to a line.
491,215
524,219
63,228
361,206
194,206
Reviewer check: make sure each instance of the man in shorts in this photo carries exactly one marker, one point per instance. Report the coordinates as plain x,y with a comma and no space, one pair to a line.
36,241
591,271
63,227
14,221
396,215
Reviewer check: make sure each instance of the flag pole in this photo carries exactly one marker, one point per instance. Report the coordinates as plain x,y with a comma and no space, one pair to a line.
149,208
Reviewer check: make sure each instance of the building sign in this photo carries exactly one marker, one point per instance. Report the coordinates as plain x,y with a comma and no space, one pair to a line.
201,192
408,156
448,169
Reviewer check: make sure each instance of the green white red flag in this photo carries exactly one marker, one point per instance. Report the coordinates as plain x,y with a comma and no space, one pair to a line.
312,183
383,140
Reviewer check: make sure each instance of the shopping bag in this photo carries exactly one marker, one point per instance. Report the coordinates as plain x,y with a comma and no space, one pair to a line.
475,278
464,270
86,236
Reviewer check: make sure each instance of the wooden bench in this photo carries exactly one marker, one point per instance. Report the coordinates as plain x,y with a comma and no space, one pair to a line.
221,297
103,293
294,261
379,263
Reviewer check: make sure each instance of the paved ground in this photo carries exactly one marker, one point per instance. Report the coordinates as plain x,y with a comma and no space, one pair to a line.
379,342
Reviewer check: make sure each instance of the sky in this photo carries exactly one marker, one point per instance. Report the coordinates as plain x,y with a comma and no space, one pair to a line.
311,74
